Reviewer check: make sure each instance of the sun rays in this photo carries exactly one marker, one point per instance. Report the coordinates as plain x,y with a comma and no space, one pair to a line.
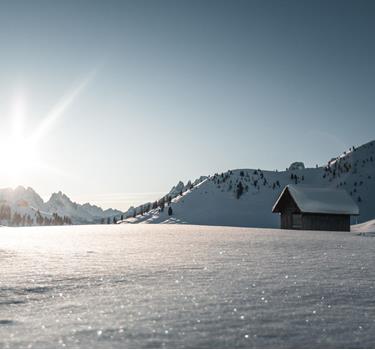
58,109
19,149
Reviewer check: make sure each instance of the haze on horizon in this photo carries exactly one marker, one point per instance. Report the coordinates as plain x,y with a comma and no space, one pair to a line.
118,100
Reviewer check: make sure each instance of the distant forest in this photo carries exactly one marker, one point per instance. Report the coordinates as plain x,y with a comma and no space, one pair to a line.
14,218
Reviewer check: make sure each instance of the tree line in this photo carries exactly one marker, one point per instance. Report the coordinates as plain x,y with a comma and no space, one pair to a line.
8,217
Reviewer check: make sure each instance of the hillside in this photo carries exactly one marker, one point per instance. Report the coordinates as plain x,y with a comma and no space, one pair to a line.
367,227
244,197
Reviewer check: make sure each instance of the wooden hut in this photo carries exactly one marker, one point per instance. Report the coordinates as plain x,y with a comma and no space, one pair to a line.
315,208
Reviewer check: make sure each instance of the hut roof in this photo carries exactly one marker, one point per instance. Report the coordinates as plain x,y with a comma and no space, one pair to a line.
319,200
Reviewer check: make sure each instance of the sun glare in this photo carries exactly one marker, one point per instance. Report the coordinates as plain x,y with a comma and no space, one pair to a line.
19,153
19,157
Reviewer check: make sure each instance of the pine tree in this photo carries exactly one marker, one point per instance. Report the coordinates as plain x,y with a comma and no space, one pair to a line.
162,204
39,218
239,190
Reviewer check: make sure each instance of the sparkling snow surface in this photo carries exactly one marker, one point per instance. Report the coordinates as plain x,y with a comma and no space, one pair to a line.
185,286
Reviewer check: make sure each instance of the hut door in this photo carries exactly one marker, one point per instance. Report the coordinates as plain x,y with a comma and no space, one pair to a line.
296,221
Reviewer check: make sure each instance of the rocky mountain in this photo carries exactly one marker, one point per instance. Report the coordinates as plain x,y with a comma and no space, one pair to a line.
27,203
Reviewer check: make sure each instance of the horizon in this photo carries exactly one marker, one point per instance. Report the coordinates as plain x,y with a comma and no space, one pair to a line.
156,195
114,102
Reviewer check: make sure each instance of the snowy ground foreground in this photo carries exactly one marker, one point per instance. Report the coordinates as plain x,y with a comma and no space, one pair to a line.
185,286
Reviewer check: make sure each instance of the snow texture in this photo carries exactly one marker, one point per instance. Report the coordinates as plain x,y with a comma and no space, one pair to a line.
320,200
181,286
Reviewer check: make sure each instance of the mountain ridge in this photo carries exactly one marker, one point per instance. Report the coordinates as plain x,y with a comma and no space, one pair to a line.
245,197
27,202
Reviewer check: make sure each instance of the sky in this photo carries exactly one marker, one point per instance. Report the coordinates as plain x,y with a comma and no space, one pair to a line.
122,99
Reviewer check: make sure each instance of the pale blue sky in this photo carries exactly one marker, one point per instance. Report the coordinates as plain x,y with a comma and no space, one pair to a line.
177,89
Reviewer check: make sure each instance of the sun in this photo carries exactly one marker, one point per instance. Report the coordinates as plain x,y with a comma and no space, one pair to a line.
19,153
20,156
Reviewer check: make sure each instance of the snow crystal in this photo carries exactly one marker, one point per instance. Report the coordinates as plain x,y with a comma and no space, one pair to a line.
277,283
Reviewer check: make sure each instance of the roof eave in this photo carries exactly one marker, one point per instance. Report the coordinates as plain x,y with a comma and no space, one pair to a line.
278,200
330,213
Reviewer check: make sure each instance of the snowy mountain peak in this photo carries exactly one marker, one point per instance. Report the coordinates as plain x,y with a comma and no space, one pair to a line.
59,195
26,201
297,166
176,189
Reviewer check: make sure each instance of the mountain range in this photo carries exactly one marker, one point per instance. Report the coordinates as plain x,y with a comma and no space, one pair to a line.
239,197
27,202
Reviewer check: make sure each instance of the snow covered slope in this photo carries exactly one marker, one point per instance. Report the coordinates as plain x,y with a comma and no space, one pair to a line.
245,197
368,226
26,202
